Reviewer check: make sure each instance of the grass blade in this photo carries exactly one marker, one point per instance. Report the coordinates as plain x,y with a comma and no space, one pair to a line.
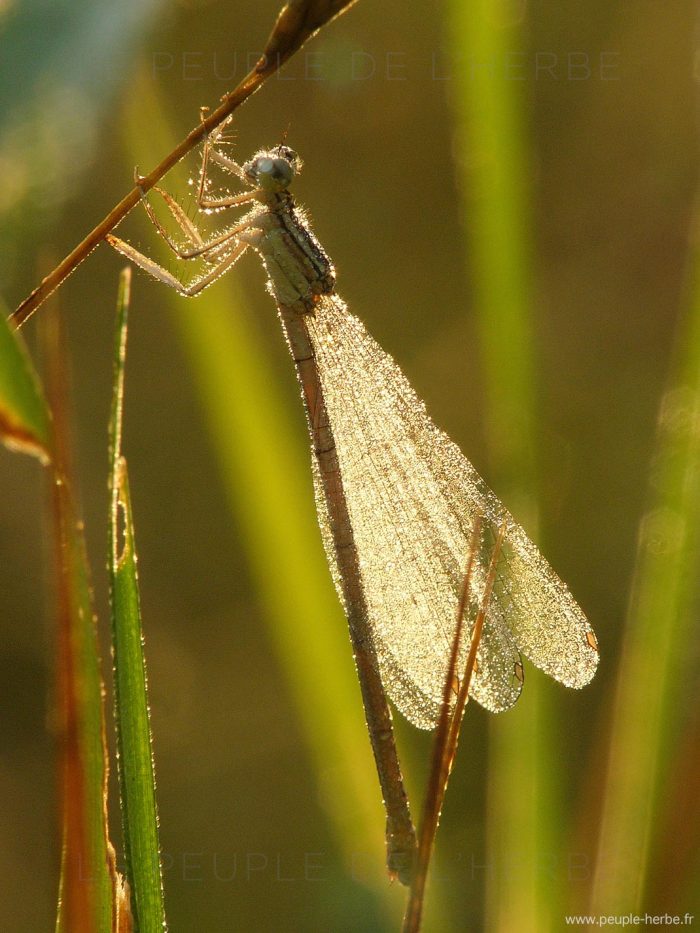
657,684
24,417
490,115
87,864
135,754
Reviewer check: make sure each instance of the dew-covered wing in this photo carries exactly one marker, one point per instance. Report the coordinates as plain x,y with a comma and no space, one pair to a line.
413,498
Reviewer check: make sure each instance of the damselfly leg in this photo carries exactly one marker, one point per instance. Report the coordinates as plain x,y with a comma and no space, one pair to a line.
218,253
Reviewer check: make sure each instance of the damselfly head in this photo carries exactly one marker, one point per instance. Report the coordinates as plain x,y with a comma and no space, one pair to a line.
274,169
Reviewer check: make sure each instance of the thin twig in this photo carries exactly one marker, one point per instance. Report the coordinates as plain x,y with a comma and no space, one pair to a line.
297,21
463,694
447,735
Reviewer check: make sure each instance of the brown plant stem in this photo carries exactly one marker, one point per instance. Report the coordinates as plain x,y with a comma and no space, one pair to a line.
447,735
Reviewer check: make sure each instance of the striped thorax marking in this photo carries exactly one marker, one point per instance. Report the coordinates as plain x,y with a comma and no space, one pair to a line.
298,268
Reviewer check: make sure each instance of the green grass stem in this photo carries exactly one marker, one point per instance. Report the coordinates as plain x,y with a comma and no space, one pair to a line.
493,175
134,744
657,685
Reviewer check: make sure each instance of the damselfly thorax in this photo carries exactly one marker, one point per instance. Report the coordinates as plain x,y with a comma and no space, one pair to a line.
298,269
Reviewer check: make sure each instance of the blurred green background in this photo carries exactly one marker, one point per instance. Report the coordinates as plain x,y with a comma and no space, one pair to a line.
270,817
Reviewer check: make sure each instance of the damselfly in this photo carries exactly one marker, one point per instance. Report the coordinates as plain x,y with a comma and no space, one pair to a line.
397,501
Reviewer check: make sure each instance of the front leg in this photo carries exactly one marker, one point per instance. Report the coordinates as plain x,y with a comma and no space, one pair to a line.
199,247
204,202
167,278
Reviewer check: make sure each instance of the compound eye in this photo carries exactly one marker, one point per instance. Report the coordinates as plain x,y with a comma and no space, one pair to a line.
262,166
282,171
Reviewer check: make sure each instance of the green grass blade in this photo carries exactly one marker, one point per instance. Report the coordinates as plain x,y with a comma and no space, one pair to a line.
87,868
24,417
657,681
135,753
490,114
269,492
